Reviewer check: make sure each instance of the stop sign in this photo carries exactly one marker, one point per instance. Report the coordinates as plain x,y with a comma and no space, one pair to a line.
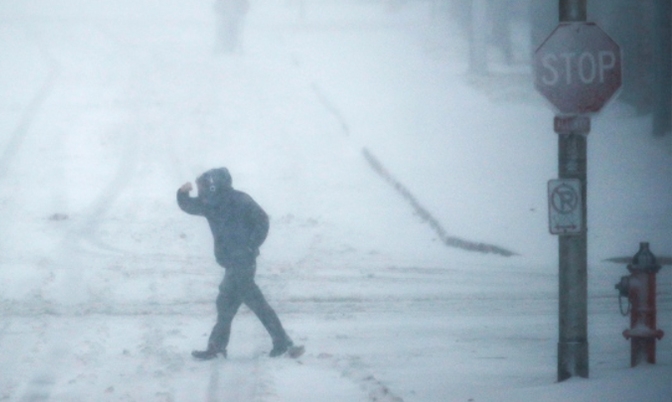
578,68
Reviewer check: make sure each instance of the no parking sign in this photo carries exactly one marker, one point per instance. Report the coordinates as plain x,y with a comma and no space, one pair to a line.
564,206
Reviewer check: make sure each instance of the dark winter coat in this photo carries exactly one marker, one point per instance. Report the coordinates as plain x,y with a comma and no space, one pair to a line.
239,226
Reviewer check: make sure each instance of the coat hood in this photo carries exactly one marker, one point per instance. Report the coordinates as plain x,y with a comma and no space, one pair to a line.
213,183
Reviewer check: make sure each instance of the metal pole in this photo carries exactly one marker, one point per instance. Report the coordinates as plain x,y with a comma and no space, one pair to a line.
573,290
573,10
573,249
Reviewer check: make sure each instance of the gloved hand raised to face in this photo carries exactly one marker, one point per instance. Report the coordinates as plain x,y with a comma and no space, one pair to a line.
186,187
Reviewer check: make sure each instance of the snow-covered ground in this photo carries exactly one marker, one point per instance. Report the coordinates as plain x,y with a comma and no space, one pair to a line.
107,107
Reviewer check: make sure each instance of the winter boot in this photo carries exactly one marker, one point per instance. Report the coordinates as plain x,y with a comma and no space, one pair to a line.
208,354
281,348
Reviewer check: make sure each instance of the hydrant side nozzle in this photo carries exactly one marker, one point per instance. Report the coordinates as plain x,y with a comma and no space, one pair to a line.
623,286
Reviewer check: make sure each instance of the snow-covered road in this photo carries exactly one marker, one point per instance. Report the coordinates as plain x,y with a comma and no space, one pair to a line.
107,108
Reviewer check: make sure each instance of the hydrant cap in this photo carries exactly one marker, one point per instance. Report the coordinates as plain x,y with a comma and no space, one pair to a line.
644,260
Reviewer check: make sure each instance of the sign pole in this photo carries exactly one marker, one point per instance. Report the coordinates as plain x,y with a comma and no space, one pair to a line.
573,249
567,218
573,10
577,69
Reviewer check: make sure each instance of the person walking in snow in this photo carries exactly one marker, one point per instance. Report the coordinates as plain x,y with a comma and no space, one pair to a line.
239,227
230,18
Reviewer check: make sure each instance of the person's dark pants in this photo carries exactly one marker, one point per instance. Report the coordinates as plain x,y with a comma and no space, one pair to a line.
238,287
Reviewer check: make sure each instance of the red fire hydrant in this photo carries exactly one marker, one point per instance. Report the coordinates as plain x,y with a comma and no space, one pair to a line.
640,289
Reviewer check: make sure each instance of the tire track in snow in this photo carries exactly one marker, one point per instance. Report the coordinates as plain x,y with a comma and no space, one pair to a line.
331,108
127,166
30,111
421,211
86,230
427,217
80,240
110,193
354,369
137,147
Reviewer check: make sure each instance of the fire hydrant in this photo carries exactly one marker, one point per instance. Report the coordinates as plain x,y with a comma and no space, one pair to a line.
640,289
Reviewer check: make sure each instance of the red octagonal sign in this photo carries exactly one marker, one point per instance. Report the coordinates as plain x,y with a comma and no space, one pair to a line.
578,68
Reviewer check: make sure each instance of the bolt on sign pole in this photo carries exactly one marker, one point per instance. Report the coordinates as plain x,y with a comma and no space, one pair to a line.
573,248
